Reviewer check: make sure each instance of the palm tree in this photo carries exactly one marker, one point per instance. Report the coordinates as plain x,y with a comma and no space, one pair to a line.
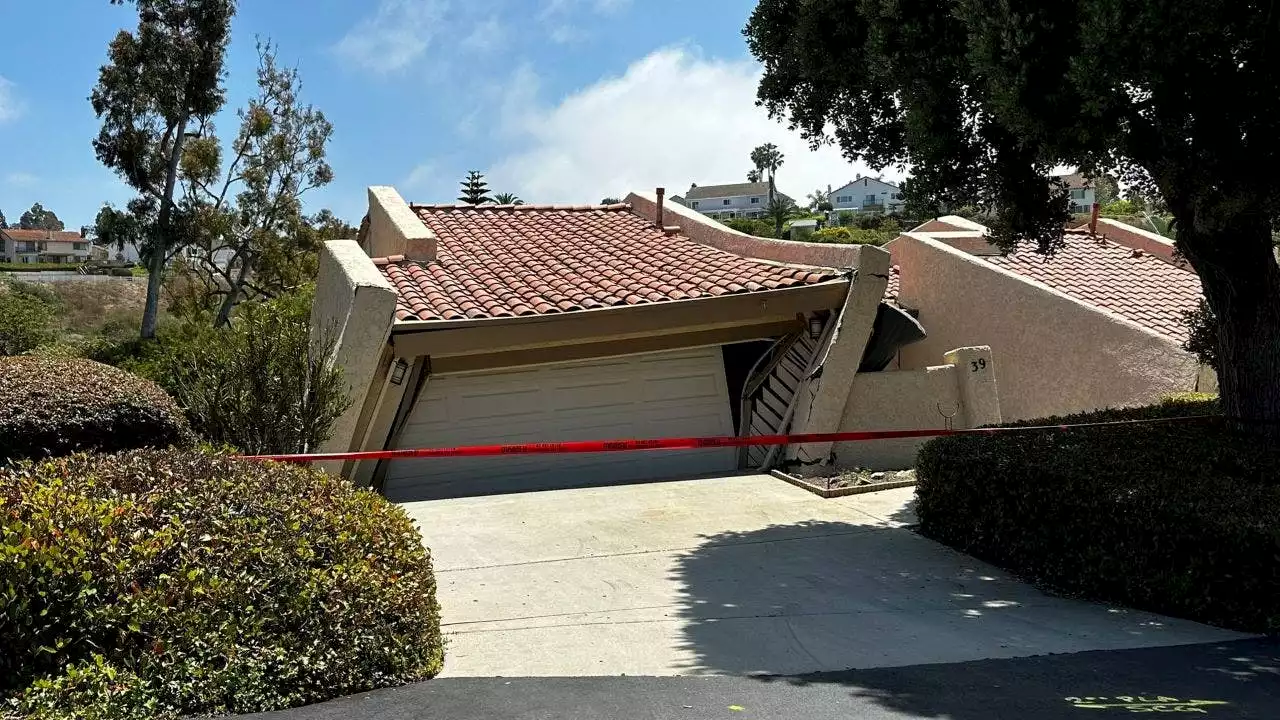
818,201
767,159
507,199
780,210
753,176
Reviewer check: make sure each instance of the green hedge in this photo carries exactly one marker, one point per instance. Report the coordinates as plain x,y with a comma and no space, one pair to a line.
1180,517
169,583
53,406
851,236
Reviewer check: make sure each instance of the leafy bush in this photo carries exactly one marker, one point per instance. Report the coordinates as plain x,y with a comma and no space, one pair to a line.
27,316
168,583
851,236
1179,517
1118,208
759,228
53,406
1202,337
260,385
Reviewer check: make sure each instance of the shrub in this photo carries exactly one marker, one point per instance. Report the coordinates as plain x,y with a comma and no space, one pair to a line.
260,385
1180,517
851,236
167,583
27,316
55,406
759,228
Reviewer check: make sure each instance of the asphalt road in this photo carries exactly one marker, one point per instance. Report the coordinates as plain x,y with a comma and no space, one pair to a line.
1238,680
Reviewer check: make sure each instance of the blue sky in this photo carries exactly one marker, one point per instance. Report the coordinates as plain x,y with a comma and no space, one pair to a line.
555,100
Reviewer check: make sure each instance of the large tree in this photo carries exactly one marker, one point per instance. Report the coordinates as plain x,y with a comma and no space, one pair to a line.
38,218
4,224
249,217
983,100
160,83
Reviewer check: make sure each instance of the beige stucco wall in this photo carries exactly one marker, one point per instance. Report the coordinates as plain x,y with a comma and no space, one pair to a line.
395,229
1057,355
355,307
821,401
962,393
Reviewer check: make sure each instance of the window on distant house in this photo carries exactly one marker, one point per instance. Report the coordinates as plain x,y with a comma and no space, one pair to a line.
695,204
755,201
897,196
79,246
1077,193
726,202
871,199
844,198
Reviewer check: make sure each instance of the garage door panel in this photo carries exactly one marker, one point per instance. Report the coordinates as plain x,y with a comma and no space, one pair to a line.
679,393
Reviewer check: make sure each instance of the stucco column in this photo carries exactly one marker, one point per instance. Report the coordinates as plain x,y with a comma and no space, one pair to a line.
354,307
822,401
976,377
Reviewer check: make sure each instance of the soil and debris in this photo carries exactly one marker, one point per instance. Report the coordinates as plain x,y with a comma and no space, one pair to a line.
830,478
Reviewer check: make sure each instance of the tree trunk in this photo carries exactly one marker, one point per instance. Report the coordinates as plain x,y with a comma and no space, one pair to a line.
1241,279
160,244
233,296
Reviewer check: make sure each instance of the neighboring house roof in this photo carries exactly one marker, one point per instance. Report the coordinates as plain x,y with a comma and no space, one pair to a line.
505,261
1075,181
859,179
702,192
47,235
1130,283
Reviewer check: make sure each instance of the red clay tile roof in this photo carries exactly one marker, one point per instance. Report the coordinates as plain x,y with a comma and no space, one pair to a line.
506,261
1130,283
56,235
895,284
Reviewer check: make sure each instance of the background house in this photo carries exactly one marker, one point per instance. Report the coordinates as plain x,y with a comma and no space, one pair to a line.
1098,324
726,202
866,194
1081,190
43,246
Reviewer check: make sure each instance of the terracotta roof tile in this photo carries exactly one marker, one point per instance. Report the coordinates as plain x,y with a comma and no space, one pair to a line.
895,284
1132,284
506,261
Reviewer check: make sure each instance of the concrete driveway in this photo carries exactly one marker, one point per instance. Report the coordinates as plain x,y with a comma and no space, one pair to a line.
735,575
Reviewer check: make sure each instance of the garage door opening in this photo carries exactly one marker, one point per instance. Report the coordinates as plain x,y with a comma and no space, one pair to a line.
673,393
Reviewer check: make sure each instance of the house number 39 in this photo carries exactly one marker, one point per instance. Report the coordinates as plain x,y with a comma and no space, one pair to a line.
978,365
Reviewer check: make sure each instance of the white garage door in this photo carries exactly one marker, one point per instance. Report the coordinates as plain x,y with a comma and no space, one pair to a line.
669,394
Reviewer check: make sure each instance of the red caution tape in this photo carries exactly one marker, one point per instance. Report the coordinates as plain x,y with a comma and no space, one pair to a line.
687,443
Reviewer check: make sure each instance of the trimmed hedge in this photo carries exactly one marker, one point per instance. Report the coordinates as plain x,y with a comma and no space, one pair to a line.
1181,518
53,406
167,583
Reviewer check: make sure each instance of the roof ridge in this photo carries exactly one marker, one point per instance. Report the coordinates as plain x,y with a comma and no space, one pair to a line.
521,208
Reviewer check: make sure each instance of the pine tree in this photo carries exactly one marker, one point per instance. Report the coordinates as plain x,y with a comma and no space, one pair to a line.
475,191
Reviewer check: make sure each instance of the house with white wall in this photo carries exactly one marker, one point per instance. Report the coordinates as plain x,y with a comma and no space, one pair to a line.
728,202
43,246
1080,190
866,195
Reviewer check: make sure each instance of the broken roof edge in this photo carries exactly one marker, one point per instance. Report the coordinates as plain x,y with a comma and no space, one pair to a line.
981,262
703,230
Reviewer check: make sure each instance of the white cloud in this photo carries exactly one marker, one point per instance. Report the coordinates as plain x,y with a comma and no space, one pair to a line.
487,35
566,34
395,35
21,179
10,106
673,118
